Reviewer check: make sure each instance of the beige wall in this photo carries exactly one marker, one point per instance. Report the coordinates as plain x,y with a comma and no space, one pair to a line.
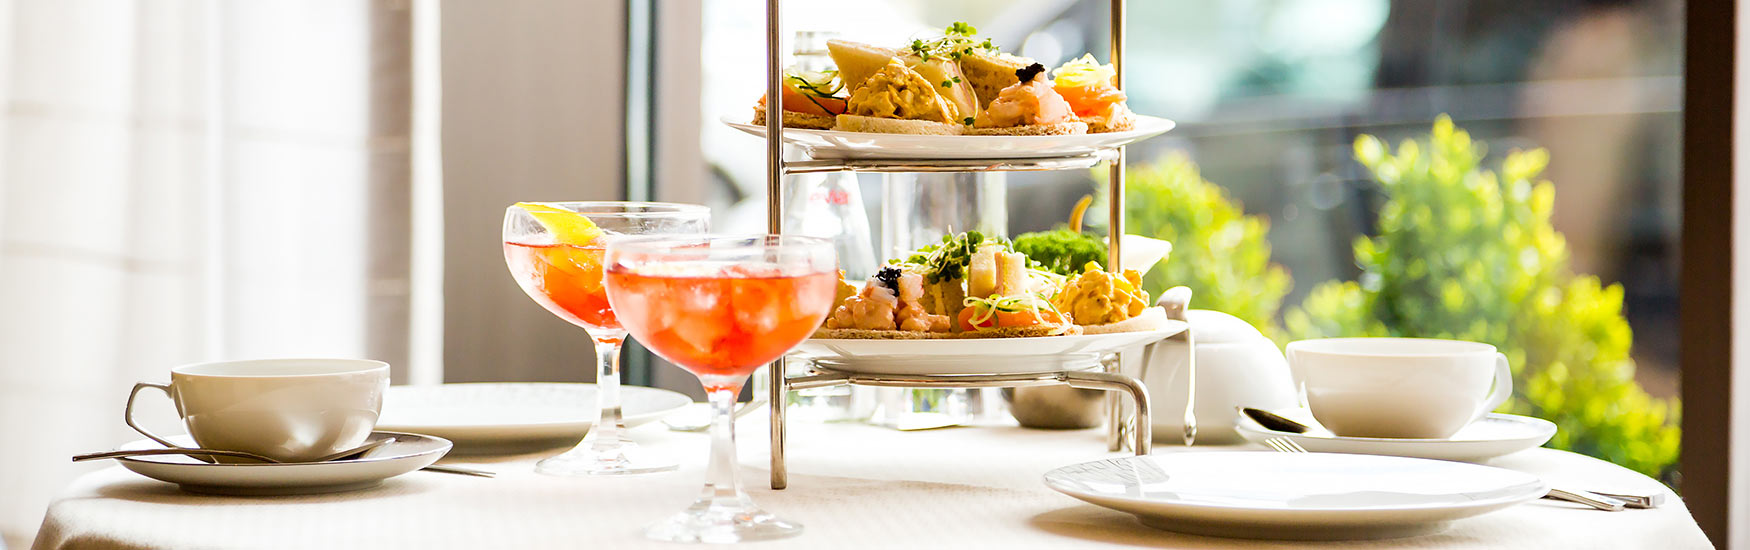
531,110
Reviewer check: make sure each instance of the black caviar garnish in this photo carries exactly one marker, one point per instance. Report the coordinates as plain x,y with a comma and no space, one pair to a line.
1027,73
889,277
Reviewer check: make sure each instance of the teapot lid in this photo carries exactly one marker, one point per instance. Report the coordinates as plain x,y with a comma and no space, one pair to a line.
1215,327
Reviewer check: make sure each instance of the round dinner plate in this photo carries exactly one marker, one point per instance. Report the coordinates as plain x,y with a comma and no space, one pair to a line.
507,418
1300,496
963,356
823,144
407,453
1492,436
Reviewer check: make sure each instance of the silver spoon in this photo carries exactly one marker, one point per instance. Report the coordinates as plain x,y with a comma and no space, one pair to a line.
343,455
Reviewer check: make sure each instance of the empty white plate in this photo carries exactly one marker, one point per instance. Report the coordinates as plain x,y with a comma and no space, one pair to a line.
504,418
824,144
409,452
1303,496
1492,436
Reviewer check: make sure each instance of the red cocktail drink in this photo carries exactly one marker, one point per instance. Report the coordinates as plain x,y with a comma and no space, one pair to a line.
722,322
721,306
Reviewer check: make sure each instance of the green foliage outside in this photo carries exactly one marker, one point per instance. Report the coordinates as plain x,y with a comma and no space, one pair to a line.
1467,253
1221,253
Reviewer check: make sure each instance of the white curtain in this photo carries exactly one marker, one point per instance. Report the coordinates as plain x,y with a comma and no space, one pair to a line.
187,180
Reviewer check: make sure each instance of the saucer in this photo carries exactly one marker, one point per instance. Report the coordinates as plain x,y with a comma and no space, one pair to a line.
1492,436
409,452
511,418
1304,496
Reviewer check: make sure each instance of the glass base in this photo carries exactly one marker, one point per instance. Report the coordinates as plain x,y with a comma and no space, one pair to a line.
584,460
722,523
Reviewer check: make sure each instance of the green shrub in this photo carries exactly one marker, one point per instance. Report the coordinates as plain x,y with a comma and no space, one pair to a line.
1221,253
1466,253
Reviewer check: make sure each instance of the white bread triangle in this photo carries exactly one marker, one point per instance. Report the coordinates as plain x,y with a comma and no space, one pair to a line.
856,60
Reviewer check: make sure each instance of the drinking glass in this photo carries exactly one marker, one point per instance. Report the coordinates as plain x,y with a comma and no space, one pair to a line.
566,278
720,307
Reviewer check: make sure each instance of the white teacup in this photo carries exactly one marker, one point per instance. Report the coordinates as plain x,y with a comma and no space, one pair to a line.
1399,387
291,410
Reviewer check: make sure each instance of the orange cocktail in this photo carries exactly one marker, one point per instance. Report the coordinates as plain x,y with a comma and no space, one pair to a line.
555,251
566,279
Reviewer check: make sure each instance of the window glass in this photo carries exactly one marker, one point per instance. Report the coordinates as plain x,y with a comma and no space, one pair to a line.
1271,98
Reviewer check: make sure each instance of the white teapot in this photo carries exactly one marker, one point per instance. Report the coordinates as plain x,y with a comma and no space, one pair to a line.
1236,366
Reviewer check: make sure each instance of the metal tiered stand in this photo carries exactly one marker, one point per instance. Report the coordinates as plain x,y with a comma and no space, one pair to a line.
1092,375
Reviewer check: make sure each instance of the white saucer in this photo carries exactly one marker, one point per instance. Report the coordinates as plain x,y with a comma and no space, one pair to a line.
409,452
1303,496
1495,435
506,418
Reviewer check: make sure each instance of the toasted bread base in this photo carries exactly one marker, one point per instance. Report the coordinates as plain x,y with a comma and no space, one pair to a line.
859,123
1152,318
1006,332
794,119
1059,129
1122,120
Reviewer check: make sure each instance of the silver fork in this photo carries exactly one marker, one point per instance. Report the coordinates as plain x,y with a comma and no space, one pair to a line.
1285,445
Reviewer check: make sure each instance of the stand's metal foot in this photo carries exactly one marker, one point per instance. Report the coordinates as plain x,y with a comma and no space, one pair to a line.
1141,426
782,386
780,475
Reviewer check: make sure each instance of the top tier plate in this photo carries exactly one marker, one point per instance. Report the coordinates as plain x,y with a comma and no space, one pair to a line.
829,144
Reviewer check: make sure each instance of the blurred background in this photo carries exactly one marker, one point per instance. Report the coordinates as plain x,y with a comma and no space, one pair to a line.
183,180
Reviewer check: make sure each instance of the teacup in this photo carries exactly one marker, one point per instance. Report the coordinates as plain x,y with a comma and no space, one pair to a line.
1399,387
291,410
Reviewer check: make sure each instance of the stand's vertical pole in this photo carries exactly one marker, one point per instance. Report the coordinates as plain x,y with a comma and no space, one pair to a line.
1115,212
775,221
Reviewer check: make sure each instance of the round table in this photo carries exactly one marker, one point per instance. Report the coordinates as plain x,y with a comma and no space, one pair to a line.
851,485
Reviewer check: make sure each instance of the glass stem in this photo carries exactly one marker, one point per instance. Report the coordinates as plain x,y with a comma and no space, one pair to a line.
608,429
722,487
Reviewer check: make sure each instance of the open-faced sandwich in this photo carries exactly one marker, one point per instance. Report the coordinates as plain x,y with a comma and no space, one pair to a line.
951,85
969,286
1030,107
809,101
1091,91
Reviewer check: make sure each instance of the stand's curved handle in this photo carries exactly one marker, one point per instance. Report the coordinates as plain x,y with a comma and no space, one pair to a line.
128,412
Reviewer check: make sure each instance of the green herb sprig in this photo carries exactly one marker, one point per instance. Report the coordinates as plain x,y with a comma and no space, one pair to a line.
957,40
947,261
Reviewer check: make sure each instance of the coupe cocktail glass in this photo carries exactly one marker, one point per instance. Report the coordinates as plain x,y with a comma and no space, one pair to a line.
720,307
565,277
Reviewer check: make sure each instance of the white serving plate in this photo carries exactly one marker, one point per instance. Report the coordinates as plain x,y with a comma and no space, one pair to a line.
1492,436
830,144
963,356
409,452
502,418
1301,496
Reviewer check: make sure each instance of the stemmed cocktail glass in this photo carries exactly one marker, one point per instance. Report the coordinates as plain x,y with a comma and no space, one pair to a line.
554,250
720,307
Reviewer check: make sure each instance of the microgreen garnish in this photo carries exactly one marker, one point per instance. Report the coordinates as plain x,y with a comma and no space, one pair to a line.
956,41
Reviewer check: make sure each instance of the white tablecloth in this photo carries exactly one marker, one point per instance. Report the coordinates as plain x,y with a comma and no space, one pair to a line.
852,486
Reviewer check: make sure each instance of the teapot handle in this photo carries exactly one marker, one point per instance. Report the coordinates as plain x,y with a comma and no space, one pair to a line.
1177,302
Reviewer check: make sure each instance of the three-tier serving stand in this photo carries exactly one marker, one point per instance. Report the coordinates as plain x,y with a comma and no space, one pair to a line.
1093,375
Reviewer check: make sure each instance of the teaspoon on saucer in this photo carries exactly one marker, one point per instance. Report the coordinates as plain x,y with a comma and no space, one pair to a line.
354,452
